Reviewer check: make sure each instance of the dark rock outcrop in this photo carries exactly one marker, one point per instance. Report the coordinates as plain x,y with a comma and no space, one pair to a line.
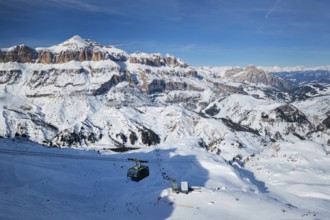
291,114
179,73
159,86
149,137
213,110
156,86
68,138
105,87
10,77
123,137
326,122
305,91
133,137
2,56
171,86
238,127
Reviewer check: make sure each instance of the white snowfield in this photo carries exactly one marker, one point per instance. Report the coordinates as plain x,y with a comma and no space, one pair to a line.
287,181
247,150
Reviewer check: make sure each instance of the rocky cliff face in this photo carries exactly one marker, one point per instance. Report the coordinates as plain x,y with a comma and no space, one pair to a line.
259,77
24,54
156,60
159,86
74,49
21,54
78,49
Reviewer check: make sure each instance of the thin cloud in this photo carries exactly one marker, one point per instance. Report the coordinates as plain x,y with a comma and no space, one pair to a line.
70,4
269,13
272,9
84,6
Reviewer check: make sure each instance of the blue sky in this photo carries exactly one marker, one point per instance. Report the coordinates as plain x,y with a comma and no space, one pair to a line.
202,32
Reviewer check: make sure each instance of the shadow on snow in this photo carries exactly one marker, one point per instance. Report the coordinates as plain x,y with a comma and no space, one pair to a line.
250,178
65,188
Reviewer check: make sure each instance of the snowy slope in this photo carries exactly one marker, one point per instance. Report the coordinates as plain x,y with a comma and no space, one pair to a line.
83,187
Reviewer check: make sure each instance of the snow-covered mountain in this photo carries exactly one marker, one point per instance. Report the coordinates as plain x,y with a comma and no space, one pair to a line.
300,75
85,95
81,89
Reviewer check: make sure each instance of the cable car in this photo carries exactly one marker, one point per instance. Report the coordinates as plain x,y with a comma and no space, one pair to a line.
138,172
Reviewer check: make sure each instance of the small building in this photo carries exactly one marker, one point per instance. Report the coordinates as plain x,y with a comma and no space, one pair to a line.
175,187
184,187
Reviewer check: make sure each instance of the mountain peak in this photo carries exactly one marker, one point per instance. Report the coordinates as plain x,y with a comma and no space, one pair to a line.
73,44
76,39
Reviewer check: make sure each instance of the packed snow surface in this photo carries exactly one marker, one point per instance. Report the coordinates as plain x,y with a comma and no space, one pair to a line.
287,181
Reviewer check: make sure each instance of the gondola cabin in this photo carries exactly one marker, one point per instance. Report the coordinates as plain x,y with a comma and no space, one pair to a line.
138,172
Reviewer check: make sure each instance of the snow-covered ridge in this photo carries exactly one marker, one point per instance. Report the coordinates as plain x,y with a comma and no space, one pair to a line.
275,69
74,43
79,49
156,59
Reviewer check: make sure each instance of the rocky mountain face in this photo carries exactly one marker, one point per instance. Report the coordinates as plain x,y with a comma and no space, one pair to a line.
78,49
156,60
81,93
74,49
259,77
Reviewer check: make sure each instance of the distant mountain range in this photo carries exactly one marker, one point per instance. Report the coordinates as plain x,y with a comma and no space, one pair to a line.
80,92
